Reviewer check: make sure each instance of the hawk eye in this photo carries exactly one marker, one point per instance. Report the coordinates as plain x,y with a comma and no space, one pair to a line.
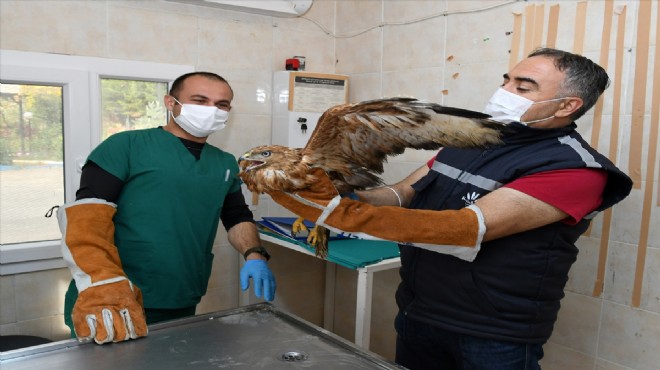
266,153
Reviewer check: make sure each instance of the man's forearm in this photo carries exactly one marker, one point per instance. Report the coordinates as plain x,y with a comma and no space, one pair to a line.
399,194
383,196
243,236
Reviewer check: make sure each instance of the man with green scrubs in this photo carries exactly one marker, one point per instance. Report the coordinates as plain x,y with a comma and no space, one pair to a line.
139,237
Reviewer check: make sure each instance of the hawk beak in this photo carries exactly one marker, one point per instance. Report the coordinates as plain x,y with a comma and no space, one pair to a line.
245,157
247,164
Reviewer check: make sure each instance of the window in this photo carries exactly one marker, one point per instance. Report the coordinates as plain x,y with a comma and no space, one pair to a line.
54,110
31,170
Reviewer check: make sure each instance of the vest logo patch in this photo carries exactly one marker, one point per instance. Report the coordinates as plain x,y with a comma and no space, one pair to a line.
470,198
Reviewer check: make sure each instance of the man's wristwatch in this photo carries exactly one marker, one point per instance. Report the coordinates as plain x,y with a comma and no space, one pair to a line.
258,249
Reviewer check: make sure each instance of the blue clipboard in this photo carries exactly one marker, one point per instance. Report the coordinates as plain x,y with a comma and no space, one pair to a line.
283,226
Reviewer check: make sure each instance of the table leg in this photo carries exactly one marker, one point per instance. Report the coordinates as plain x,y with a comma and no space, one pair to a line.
329,298
363,308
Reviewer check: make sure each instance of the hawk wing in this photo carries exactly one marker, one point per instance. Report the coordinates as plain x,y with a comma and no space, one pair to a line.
352,141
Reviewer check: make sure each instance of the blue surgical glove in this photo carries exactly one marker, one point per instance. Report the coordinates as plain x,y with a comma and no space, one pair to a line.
261,276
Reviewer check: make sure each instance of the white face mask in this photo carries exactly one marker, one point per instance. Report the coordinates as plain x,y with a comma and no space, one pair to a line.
508,107
200,120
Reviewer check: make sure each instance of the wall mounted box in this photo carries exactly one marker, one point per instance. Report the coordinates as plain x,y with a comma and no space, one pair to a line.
299,100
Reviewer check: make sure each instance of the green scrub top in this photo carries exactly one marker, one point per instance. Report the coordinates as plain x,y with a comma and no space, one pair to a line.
168,212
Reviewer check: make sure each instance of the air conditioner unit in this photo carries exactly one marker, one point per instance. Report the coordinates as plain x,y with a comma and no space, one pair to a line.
275,8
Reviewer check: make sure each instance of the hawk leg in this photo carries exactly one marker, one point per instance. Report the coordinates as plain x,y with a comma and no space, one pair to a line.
318,238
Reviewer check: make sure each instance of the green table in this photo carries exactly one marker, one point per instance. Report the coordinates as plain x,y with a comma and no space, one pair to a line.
350,253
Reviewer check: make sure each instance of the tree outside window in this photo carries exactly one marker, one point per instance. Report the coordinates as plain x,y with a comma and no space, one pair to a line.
131,104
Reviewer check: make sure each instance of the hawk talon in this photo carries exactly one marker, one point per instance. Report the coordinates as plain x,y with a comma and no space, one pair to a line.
313,237
298,226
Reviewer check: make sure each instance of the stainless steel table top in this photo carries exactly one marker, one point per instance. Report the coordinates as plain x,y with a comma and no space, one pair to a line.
253,337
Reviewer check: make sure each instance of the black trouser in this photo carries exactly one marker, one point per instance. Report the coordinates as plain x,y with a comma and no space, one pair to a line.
420,346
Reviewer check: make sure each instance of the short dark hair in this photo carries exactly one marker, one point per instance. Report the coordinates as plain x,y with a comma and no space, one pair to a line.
178,83
584,78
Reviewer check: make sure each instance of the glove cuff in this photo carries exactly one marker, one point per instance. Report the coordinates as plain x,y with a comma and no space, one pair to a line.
88,242
468,253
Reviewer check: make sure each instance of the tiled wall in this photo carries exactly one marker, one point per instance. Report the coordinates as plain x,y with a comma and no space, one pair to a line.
456,59
33,303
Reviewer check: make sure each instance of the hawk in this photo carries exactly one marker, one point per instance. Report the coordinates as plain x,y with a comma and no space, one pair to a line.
352,141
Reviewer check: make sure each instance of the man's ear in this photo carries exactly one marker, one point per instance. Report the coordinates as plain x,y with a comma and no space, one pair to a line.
568,106
169,102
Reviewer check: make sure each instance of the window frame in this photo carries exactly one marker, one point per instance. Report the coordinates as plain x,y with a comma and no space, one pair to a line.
80,78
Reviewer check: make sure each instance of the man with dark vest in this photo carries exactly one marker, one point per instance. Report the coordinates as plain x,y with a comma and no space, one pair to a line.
489,234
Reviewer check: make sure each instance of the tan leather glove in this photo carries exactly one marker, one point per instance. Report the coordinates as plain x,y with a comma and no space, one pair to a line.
109,307
455,232
310,202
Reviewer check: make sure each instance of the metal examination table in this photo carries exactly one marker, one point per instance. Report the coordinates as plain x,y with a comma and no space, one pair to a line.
253,337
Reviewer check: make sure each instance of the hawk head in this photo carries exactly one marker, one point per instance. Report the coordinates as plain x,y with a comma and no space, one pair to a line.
274,168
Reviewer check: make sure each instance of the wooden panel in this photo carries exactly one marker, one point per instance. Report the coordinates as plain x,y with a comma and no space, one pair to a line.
650,175
639,92
538,25
603,61
553,22
530,13
580,22
515,40
614,135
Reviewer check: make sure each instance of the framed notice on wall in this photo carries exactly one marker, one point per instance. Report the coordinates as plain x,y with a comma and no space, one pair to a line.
316,92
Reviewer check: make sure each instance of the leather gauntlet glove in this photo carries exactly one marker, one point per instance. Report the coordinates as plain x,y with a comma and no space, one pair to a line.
109,307
455,232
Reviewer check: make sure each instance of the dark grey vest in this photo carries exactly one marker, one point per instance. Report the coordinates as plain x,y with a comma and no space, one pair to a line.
511,291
